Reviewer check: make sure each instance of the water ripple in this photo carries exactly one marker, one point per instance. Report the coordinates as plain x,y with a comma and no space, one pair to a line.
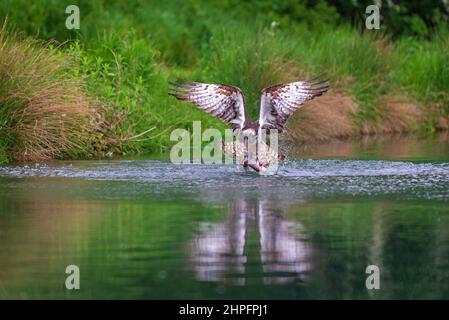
320,178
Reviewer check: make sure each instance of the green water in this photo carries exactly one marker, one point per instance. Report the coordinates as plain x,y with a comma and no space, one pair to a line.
145,228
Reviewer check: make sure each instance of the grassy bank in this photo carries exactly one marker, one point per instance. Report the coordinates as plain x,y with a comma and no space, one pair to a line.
45,112
125,53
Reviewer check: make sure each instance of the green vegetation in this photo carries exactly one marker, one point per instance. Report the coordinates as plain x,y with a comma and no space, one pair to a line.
44,111
125,53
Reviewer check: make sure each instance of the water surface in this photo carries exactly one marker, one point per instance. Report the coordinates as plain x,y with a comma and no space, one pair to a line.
145,228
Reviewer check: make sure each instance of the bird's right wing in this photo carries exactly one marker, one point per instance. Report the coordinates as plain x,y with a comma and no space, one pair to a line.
222,101
280,101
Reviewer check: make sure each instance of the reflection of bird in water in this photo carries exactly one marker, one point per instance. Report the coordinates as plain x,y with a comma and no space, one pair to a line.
281,252
220,251
277,104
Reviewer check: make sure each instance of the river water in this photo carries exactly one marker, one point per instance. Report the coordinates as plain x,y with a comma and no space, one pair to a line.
146,228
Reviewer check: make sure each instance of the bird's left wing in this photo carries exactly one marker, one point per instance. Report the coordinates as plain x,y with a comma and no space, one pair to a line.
222,101
280,101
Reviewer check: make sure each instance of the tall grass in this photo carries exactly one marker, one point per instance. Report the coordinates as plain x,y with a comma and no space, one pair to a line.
43,112
359,63
251,59
123,71
423,69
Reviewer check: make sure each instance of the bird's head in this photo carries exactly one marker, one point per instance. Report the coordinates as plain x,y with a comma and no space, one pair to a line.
250,128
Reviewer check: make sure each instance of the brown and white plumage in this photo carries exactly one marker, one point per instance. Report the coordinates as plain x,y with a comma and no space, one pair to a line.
280,101
277,104
222,101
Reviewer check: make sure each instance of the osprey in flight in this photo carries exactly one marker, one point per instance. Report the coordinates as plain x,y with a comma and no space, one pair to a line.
277,104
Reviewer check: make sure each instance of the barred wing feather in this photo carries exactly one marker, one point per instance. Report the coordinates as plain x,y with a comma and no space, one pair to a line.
280,101
222,101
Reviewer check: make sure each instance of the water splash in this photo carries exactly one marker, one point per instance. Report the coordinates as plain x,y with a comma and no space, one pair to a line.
295,178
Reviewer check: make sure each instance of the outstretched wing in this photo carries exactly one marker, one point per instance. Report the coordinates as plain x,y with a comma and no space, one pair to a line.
280,101
222,101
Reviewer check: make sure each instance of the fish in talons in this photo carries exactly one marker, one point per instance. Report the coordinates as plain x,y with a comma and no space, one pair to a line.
257,156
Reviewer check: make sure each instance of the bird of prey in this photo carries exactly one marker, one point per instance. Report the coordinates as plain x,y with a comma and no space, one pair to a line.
277,103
